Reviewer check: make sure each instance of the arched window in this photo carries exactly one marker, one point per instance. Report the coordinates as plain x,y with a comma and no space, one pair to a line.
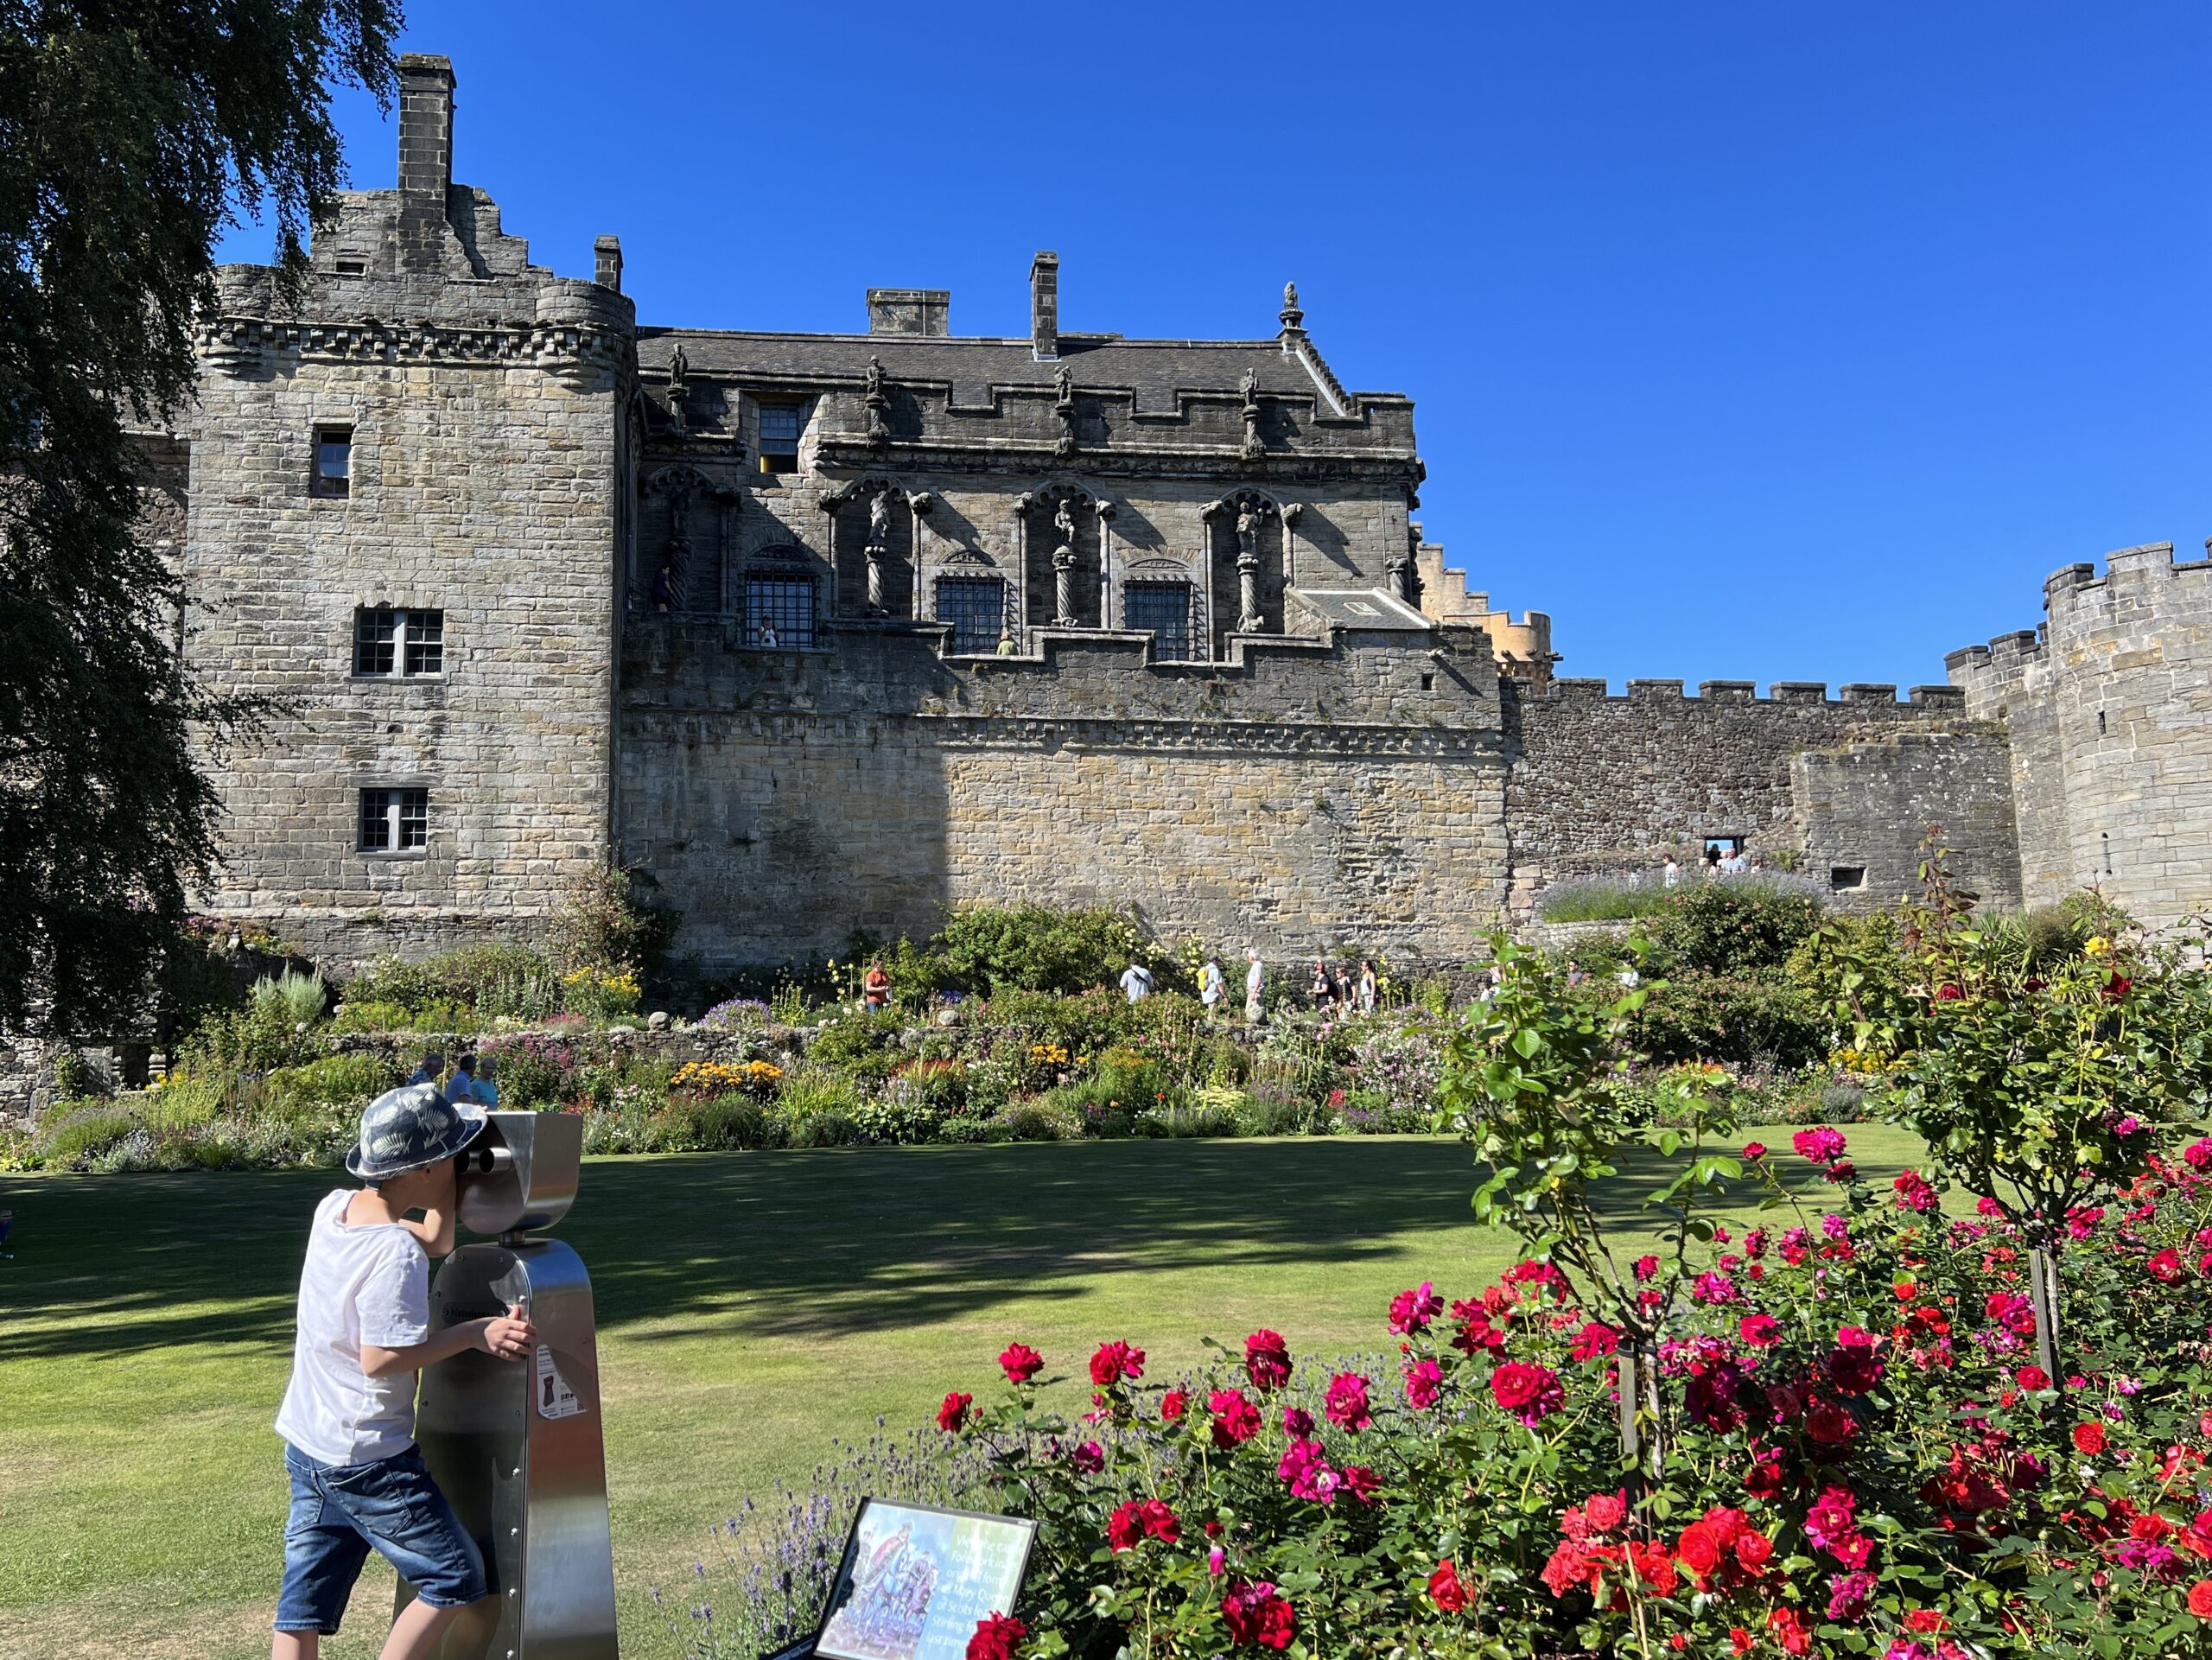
976,607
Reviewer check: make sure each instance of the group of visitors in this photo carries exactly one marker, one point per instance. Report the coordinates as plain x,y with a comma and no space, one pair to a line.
470,1085
1337,990
1213,988
1722,858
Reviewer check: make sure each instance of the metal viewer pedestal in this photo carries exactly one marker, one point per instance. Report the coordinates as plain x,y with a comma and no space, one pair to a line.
517,1447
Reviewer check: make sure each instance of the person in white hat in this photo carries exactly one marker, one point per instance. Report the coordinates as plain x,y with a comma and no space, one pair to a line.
359,1481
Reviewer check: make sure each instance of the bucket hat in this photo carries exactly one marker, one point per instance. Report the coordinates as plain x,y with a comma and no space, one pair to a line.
405,1128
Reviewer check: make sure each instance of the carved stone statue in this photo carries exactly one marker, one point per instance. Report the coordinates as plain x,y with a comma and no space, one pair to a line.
1249,621
1250,387
877,548
679,390
1064,566
878,428
1247,531
1063,384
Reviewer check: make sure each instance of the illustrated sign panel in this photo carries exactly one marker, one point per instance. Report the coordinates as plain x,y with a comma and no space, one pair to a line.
915,1579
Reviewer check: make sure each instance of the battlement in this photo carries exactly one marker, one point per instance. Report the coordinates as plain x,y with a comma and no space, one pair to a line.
1712,692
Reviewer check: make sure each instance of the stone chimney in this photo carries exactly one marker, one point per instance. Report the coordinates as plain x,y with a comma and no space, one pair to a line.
1044,305
910,311
425,159
607,262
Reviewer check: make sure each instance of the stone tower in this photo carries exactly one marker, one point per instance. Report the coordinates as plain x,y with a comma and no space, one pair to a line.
407,494
2108,709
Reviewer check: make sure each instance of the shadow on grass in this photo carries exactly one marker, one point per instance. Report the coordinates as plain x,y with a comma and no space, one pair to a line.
824,1244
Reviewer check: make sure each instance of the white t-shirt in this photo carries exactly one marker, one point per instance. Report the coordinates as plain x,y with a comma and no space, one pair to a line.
368,1284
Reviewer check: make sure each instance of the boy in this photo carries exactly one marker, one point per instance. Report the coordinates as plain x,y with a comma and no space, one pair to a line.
348,1417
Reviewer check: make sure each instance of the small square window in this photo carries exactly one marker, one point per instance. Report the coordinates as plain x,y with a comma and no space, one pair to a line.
976,607
779,437
1844,878
333,461
1164,609
392,644
779,612
395,821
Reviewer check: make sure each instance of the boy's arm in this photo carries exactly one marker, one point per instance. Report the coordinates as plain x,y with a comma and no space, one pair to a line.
507,1337
436,1230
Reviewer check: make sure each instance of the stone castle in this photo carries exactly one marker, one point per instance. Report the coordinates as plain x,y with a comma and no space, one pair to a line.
827,631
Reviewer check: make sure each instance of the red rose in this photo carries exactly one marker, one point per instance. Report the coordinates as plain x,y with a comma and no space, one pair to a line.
996,1638
2200,1598
1739,1640
1595,1341
1787,1627
1528,1393
1753,1551
1444,1589
1755,1151
1254,1614
1172,1403
1114,1362
1929,1622
1267,1359
1160,1521
1346,1403
2032,1377
1235,1418
1424,1384
2166,1267
954,1412
1021,1363
1088,1459
1124,1528
1604,1511
1829,1424
1361,1483
1700,1548
1758,1330
2090,1439
1851,1363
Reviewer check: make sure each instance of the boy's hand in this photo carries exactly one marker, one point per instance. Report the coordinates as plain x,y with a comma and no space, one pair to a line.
509,1337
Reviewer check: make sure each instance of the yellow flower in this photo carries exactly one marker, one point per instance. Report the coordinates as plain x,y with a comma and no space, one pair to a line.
2097,946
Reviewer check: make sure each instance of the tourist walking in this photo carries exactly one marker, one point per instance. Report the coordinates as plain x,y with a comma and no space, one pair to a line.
1256,980
1136,980
1670,872
462,1091
1370,987
431,1070
1321,989
1343,987
1210,988
875,988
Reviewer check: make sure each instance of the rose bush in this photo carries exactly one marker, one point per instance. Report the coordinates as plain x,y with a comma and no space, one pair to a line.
1859,1456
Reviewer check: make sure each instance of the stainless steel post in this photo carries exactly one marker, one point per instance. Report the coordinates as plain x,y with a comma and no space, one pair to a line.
518,1447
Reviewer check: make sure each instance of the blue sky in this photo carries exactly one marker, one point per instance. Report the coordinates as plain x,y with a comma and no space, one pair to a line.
1751,341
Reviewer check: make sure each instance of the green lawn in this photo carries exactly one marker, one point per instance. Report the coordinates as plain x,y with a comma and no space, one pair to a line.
751,1307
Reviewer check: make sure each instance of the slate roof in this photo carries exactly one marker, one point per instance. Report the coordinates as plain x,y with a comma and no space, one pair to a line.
1154,370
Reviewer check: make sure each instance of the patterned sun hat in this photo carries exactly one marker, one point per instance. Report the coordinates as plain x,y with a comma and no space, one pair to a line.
405,1128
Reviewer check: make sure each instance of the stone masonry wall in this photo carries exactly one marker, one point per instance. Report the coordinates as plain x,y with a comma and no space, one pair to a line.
1606,785
1303,795
2111,769
1868,806
485,484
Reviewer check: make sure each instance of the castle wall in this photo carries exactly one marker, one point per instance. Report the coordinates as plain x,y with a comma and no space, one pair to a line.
2112,772
1607,784
484,484
1302,795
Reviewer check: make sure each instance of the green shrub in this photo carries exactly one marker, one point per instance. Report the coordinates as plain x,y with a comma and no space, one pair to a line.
373,1015
349,1081
826,1128
1035,1120
862,1046
73,1131
187,1099
75,1076
991,949
1734,926
530,1070
735,1121
1746,1022
810,1089
292,998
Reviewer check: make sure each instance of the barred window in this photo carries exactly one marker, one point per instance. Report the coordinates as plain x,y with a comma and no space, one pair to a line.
779,437
333,461
395,644
784,605
976,607
1164,608
395,821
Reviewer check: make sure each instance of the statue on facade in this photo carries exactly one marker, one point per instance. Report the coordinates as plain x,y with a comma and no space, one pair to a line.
1063,384
1250,387
878,402
1064,407
1248,568
1063,565
878,547
1252,448
679,390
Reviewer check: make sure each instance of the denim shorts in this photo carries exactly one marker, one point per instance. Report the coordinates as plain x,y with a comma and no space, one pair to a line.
339,1510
